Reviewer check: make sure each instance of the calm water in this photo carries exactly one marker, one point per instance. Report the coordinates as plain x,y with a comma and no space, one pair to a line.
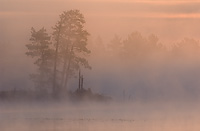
95,117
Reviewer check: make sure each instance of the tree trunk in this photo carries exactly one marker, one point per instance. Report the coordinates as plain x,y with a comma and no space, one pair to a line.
68,67
55,88
64,68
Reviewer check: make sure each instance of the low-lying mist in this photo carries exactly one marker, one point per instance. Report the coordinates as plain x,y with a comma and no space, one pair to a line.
141,68
133,68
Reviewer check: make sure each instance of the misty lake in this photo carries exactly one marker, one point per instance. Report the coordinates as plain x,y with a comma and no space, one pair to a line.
99,117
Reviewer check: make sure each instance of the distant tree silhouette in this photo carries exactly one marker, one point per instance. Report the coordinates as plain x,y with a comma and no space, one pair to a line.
116,46
139,48
187,51
98,48
39,48
70,43
135,46
187,47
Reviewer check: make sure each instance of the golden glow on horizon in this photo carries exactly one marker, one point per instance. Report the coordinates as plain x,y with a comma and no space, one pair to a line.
146,15
111,15
145,1
21,13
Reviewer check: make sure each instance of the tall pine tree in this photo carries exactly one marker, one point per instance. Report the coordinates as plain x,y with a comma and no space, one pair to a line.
39,48
70,44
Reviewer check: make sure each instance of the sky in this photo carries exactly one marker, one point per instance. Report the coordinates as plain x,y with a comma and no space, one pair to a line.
170,20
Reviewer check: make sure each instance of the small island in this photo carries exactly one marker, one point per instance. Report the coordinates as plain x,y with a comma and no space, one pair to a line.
82,94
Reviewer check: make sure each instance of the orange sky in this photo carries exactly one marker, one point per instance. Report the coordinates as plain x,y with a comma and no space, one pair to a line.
170,20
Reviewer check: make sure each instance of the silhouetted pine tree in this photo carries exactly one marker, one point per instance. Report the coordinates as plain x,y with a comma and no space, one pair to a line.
70,44
39,48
